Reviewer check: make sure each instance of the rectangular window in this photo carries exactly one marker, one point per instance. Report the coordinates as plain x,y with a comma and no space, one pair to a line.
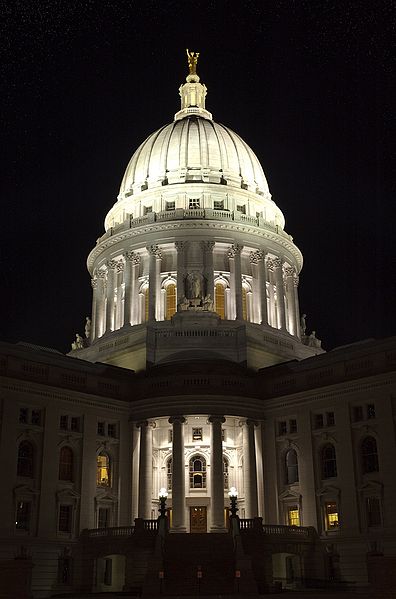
147,210
282,427
170,436
293,516
218,204
103,517
23,415
357,413
331,513
101,429
241,208
318,420
197,434
22,517
75,424
170,205
330,419
65,518
63,422
194,203
373,511
36,417
112,430
370,411
293,425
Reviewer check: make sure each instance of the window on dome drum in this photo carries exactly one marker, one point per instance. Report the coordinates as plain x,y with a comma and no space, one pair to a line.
331,515
197,469
25,464
101,429
241,208
218,204
293,516
282,427
169,474
244,304
23,415
220,300
170,301
65,518
225,472
370,411
291,467
112,430
319,421
66,464
64,422
197,434
36,417
330,419
147,210
103,517
369,454
170,205
329,461
103,470
22,516
293,425
373,512
194,203
75,424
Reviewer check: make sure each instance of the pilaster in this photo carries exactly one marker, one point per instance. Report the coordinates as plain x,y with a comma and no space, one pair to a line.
217,475
178,475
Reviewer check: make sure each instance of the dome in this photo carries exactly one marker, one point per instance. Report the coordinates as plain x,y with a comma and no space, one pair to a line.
190,149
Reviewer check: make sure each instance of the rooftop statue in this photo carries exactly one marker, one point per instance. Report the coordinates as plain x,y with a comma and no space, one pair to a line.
192,58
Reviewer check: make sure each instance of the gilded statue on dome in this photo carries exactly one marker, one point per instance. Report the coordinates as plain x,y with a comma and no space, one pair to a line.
192,58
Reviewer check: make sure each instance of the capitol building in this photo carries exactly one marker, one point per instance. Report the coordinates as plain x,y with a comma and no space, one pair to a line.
196,392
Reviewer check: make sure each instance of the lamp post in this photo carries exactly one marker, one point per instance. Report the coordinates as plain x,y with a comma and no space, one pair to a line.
233,495
163,494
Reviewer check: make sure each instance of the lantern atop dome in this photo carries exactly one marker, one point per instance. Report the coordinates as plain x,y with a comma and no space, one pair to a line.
192,93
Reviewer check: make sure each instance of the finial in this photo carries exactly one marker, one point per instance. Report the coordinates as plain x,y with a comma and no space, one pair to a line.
192,58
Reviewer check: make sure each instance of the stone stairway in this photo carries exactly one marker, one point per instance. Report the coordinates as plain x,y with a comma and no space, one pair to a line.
184,553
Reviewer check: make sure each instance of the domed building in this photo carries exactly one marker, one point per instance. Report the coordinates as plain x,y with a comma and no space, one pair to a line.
196,384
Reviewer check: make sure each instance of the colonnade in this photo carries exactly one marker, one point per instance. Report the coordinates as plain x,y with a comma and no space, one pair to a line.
217,502
116,289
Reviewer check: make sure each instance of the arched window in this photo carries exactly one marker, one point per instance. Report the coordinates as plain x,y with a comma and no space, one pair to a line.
170,301
103,470
66,464
225,472
291,467
25,465
220,299
197,472
169,474
369,455
244,304
329,461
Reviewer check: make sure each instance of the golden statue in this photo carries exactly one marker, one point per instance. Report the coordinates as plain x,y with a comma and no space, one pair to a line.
192,58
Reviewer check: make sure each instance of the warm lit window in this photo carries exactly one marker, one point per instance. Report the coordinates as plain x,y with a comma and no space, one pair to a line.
225,472
373,511
197,434
103,470
103,517
25,463
66,464
331,513
369,455
22,516
170,300
197,472
291,467
220,300
293,516
329,461
65,518
169,474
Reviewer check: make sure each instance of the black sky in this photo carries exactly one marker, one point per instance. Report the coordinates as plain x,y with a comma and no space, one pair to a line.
308,84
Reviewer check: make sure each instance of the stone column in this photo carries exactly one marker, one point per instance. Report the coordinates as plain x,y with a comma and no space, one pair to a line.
111,282
178,475
119,318
250,470
180,274
131,273
272,317
296,280
145,470
234,256
154,274
207,248
216,474
277,263
291,308
99,292
257,260
94,285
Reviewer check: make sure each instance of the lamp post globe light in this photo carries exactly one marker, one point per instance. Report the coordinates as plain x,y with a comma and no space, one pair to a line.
233,495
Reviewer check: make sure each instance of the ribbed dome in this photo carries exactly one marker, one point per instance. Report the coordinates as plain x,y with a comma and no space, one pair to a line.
192,149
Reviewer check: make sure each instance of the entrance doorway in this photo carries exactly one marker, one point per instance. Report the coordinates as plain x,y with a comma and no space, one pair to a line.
198,519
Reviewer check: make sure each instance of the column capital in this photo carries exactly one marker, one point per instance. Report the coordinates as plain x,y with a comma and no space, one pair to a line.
176,419
256,256
208,246
101,274
289,271
216,418
154,250
94,282
251,423
296,280
234,250
145,424
112,264
132,257
181,245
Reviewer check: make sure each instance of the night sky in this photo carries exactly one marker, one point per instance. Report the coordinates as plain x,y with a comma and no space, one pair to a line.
309,85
